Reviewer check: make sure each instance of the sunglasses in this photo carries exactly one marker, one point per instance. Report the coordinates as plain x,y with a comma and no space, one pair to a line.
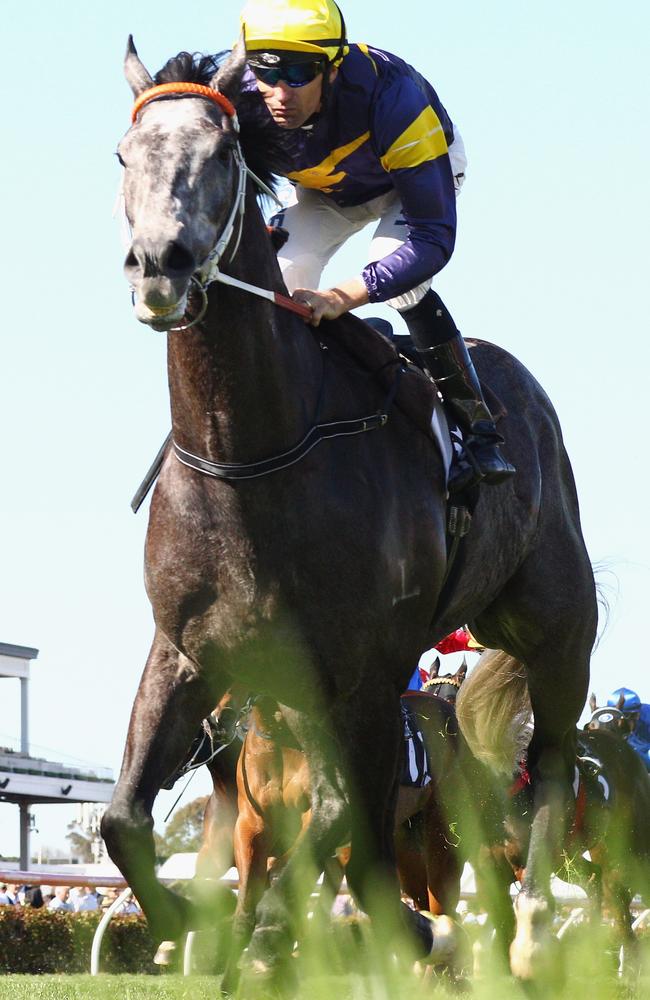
294,74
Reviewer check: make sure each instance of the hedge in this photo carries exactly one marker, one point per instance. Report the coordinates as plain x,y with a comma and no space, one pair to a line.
42,940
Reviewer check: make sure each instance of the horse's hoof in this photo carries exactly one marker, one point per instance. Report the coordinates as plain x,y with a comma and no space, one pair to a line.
445,939
260,969
533,952
268,981
166,954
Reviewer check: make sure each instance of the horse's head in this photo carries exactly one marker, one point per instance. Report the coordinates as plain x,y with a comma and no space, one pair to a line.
447,685
610,717
231,712
180,178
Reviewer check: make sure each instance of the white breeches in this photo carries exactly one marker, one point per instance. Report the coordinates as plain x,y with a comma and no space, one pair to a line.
318,227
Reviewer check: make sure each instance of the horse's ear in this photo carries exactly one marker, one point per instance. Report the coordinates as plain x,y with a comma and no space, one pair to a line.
435,667
137,76
593,704
227,79
621,702
461,673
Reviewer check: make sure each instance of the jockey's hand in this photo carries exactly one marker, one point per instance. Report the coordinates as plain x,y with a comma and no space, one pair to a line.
332,302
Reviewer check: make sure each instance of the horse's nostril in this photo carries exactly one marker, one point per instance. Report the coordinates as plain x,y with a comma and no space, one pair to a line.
131,259
178,260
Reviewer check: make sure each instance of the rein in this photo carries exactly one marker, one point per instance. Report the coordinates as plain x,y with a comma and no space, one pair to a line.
195,761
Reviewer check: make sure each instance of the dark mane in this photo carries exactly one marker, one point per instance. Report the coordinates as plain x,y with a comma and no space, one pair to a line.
190,67
264,146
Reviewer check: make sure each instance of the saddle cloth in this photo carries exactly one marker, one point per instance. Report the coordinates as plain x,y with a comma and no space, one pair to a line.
416,771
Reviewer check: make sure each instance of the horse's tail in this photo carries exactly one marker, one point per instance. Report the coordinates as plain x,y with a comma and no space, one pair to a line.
494,711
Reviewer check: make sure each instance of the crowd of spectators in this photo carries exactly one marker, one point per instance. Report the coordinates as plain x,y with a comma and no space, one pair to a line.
61,897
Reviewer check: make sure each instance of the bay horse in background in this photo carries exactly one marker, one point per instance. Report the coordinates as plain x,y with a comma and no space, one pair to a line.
297,531
227,722
611,814
433,833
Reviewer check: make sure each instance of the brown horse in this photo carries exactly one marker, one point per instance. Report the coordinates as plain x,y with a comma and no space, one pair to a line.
297,532
431,837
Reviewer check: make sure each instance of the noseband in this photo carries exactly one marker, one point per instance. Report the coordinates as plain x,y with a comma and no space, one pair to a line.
209,269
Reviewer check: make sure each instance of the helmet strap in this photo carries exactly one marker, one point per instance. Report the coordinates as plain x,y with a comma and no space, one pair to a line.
342,39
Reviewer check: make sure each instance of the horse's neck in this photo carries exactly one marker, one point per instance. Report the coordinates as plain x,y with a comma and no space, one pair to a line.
244,384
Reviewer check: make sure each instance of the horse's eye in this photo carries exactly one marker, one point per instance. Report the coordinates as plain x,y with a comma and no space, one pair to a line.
120,160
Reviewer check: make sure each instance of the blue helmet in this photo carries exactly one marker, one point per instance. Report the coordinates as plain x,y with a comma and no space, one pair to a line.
631,700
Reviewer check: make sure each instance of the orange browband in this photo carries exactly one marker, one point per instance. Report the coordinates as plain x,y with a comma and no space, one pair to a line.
183,88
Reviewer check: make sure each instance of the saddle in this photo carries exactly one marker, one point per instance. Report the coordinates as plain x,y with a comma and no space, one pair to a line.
375,347
352,338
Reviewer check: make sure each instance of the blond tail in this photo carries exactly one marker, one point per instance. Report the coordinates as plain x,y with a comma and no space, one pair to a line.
494,711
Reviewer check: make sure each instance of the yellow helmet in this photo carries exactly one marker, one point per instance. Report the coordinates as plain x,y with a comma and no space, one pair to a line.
306,26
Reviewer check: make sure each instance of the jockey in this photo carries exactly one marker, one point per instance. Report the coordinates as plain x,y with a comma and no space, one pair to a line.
637,715
370,142
460,641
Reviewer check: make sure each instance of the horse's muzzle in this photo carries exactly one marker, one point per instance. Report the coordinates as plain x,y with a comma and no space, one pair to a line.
159,274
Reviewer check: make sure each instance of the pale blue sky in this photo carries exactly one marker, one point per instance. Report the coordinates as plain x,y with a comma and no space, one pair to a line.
551,262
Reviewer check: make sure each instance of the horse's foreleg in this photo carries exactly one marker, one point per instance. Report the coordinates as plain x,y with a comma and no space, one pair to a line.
251,859
443,859
411,868
371,873
617,900
284,904
216,853
171,701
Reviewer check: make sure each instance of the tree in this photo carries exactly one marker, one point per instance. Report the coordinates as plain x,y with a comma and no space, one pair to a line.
184,832
80,843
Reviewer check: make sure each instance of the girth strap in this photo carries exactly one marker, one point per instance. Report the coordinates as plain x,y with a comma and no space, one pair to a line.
252,470
317,433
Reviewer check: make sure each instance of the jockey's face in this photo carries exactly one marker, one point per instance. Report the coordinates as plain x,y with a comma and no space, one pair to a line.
291,107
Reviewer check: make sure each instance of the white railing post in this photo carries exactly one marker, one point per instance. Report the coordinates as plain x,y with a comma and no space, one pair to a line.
101,929
187,953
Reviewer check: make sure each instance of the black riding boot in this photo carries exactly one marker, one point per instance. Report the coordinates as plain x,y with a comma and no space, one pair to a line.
446,358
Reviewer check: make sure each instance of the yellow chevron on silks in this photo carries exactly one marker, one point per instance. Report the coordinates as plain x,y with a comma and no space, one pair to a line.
423,140
322,176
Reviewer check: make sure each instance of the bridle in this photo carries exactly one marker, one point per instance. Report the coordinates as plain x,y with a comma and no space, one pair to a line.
209,271
448,681
609,717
